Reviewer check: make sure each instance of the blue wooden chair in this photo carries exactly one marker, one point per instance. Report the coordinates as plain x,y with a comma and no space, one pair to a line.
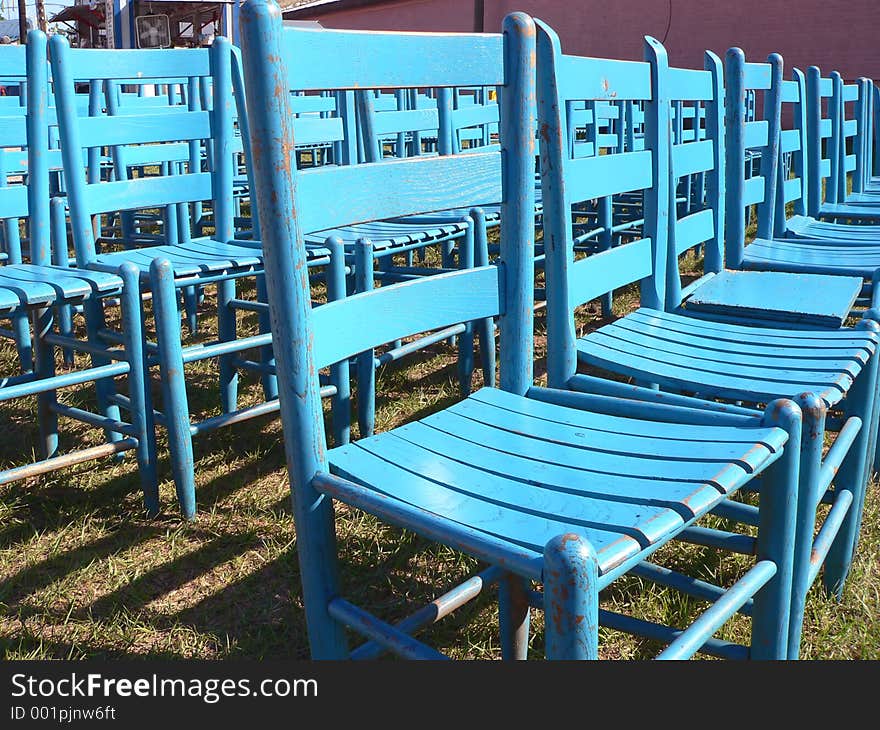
541,491
798,243
847,199
216,260
661,345
37,288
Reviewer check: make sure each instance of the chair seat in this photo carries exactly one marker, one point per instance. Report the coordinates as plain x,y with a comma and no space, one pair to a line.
387,234
26,285
526,471
199,257
866,208
777,296
812,257
810,228
755,364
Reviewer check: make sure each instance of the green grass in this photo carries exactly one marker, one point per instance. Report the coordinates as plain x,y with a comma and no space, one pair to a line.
83,573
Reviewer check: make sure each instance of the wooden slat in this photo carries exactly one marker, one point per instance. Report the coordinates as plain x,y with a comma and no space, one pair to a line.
414,120
596,78
147,154
314,130
609,270
333,196
13,201
597,177
175,126
693,157
471,116
348,326
13,131
148,192
311,103
396,60
792,189
693,229
756,134
143,65
753,191
756,75
689,84
790,140
790,92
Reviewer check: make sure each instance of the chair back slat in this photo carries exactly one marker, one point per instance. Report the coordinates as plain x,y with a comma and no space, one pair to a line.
332,196
141,65
170,126
397,60
459,296
148,192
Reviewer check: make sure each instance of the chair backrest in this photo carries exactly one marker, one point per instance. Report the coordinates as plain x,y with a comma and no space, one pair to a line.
697,151
293,202
28,199
563,81
192,124
752,134
822,139
853,105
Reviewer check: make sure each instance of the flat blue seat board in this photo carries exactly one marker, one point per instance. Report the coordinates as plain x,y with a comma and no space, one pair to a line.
514,469
824,301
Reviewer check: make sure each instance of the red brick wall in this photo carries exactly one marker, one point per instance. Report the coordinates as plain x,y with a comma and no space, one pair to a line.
833,34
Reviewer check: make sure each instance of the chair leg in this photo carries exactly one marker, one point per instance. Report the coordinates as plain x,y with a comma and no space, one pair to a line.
466,341
267,357
104,388
226,326
571,599
340,375
61,257
606,220
191,308
771,614
174,398
21,334
853,476
485,327
141,414
316,548
513,616
44,361
366,367
812,440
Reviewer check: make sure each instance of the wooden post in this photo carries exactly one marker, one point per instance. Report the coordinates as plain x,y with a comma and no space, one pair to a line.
41,15
22,21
